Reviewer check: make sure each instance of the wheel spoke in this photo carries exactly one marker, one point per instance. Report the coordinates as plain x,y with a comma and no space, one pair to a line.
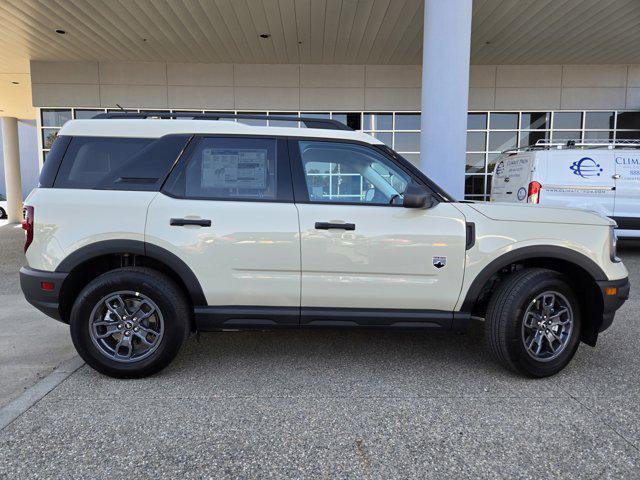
556,317
115,304
535,339
147,336
124,348
109,329
531,320
144,310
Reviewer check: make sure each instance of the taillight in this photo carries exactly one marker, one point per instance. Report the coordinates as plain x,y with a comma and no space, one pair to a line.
27,226
533,195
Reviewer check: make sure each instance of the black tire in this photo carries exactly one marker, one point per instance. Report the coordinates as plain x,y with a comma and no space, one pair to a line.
505,317
157,287
3,214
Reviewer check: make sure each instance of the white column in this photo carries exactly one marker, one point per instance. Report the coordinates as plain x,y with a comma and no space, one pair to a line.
445,92
12,177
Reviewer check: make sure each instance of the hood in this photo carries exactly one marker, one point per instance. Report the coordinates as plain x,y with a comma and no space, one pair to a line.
539,214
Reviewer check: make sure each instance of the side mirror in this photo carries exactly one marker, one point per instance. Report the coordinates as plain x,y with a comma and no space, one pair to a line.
416,196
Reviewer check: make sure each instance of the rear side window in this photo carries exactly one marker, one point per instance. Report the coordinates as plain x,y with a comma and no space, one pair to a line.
113,163
241,168
89,160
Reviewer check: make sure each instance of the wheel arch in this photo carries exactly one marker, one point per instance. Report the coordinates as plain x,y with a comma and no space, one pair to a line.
583,272
92,260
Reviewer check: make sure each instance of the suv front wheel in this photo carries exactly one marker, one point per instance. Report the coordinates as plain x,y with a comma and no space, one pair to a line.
533,322
129,322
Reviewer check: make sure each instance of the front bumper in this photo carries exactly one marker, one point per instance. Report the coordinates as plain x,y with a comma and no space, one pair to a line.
47,301
612,301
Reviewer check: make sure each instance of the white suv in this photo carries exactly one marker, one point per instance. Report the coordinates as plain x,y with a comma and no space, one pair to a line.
143,230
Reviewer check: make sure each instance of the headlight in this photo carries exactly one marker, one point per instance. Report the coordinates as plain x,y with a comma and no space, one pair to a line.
613,245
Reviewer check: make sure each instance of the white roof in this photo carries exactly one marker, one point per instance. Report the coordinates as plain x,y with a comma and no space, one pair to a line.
155,128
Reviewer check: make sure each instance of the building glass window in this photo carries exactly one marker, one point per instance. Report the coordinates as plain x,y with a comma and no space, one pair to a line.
628,121
500,141
475,163
535,120
55,117
599,120
567,120
476,141
528,138
476,121
503,121
407,121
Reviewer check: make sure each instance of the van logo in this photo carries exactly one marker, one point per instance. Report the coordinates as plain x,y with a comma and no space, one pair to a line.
499,170
586,167
522,193
439,261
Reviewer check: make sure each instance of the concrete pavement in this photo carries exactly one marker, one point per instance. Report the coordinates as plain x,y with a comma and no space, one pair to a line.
331,404
31,344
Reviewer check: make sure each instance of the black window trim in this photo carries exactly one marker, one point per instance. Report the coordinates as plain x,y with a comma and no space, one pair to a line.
301,193
282,162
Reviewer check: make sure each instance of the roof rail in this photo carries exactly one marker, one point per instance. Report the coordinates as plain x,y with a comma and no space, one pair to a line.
561,144
309,122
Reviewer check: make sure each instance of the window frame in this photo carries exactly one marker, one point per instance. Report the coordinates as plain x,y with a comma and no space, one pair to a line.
284,189
300,190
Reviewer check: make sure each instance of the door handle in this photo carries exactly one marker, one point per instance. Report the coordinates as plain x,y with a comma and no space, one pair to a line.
181,222
329,225
616,176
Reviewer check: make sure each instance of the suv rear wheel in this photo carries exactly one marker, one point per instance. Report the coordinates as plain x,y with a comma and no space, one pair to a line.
533,322
129,322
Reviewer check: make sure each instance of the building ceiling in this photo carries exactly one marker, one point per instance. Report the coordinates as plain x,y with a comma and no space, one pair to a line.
310,31
307,31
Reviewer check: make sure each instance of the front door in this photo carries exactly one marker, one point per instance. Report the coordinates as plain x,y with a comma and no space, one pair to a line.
367,260
227,211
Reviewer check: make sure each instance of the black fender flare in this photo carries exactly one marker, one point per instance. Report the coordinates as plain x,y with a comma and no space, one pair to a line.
529,253
137,247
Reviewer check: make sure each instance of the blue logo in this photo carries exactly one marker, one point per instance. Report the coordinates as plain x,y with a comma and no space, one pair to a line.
499,170
522,193
586,167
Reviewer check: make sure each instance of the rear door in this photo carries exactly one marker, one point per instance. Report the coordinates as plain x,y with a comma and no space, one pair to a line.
627,201
227,211
511,177
579,179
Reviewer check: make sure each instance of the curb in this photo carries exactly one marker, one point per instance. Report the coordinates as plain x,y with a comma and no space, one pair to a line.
32,395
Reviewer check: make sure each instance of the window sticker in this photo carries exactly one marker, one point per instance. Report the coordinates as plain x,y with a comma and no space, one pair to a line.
234,168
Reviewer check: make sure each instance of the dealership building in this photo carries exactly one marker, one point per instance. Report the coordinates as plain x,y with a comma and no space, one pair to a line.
449,84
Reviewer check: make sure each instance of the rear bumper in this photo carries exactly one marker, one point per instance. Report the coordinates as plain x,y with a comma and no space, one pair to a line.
47,301
611,303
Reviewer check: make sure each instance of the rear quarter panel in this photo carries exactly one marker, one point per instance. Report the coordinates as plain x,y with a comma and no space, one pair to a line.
68,219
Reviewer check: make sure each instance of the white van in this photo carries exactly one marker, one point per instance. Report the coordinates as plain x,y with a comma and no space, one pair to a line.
601,176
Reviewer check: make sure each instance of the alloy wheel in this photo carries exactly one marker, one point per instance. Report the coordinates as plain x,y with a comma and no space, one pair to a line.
126,326
547,326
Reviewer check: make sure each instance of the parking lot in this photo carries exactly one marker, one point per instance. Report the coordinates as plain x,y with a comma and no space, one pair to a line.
337,404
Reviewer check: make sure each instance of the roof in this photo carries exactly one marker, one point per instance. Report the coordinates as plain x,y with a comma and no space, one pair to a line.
155,128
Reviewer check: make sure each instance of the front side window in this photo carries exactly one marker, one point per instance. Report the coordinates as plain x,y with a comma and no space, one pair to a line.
225,168
349,173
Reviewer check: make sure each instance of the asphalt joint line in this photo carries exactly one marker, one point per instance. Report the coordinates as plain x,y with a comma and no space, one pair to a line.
603,420
32,395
